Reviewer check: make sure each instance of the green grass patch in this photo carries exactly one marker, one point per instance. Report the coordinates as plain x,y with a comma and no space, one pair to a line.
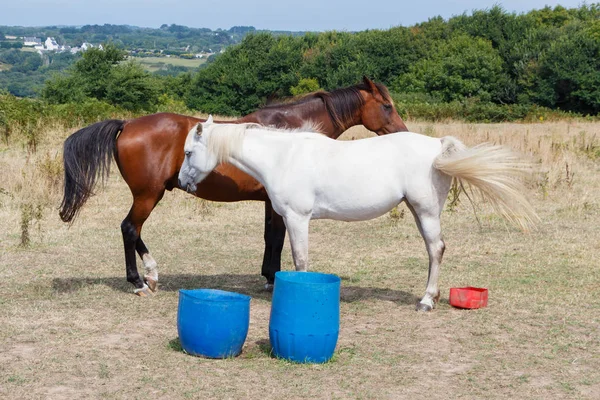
153,64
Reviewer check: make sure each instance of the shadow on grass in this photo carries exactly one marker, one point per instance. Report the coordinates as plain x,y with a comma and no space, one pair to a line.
251,285
260,349
264,347
175,345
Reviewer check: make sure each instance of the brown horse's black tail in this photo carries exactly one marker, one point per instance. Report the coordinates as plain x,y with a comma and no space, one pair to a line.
87,155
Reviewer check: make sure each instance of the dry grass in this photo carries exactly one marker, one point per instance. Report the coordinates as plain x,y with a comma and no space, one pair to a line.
72,329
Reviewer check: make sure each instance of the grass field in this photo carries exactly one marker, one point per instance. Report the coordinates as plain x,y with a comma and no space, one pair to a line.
29,49
71,328
153,64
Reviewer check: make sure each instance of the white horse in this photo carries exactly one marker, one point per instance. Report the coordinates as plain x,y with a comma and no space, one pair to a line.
309,176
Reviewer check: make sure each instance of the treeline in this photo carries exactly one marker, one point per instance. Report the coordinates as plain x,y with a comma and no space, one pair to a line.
548,57
28,71
488,66
168,39
23,74
173,37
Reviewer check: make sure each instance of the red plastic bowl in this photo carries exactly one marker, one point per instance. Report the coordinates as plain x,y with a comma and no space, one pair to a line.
468,297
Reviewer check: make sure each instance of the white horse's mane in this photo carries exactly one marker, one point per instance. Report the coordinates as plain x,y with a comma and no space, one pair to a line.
225,140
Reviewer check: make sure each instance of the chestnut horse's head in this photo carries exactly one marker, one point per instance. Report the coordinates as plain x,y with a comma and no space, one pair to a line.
378,113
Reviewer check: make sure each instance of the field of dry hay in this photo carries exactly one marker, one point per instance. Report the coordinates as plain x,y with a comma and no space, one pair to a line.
71,328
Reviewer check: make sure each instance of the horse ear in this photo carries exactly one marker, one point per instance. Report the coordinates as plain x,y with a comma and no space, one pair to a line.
210,119
373,89
199,129
369,83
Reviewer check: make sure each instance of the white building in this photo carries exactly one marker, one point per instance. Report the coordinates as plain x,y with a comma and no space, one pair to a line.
31,41
51,44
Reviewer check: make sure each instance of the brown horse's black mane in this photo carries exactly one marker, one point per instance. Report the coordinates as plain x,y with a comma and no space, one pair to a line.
341,104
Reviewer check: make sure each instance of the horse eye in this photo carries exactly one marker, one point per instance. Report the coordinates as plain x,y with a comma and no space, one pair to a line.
187,153
387,106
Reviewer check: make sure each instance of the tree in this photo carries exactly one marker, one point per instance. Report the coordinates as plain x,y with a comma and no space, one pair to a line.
241,79
102,75
130,87
21,61
62,89
462,67
93,70
569,73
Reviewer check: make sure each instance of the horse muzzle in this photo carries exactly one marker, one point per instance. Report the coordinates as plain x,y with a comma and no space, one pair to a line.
189,187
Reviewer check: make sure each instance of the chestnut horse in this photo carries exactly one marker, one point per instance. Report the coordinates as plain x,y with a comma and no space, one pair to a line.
149,153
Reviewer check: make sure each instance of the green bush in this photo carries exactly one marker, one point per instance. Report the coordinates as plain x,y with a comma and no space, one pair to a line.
87,112
20,117
459,68
25,120
306,85
103,75
428,108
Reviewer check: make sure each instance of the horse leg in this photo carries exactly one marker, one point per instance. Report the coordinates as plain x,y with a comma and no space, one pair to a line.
266,264
150,265
428,222
278,239
131,228
297,227
274,239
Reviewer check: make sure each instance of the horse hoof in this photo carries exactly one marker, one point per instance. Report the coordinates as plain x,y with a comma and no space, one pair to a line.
152,284
423,307
145,292
269,287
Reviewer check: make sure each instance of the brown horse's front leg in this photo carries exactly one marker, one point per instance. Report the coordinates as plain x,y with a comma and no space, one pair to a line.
266,264
274,240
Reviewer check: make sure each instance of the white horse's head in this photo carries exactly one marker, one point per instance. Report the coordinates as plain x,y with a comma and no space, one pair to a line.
198,161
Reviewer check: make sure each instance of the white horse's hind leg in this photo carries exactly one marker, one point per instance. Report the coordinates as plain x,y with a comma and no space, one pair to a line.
428,222
297,227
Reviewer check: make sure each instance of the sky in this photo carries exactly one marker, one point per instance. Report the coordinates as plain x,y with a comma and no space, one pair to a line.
299,15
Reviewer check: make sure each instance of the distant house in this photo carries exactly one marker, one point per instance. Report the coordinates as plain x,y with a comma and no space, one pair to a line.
85,46
51,44
32,41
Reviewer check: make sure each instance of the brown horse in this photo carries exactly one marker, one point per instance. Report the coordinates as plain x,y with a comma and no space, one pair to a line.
149,152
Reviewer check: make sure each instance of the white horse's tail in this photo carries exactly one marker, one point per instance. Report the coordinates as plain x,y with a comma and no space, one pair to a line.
496,172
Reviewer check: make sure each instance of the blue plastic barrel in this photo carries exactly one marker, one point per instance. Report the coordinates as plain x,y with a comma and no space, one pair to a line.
212,323
305,316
